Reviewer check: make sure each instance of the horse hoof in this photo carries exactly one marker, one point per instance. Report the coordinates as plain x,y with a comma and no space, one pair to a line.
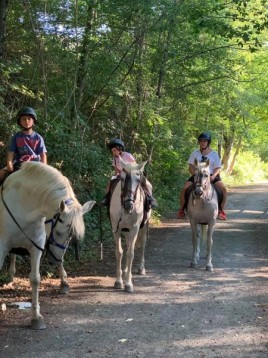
129,288
209,268
118,285
38,324
141,271
64,289
193,265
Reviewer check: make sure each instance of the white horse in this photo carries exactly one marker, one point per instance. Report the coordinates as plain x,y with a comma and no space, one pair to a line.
202,210
127,216
34,195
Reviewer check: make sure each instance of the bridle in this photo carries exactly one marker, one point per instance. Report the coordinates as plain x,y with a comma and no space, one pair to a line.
201,185
50,240
128,195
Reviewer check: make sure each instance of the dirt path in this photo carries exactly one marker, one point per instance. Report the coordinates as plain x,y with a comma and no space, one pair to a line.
175,311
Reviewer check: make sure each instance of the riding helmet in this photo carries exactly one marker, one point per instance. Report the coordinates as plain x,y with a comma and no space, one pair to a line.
116,143
205,136
26,111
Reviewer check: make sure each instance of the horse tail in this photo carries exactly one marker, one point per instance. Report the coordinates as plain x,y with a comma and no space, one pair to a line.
204,233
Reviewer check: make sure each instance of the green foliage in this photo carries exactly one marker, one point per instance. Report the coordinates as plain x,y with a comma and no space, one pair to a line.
154,73
249,168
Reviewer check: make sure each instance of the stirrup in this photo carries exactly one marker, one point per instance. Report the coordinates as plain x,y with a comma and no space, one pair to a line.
153,202
105,201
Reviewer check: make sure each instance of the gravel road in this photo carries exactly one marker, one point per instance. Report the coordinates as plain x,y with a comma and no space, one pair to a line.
175,311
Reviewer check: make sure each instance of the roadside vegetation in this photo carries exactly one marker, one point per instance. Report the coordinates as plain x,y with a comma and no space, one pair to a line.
154,73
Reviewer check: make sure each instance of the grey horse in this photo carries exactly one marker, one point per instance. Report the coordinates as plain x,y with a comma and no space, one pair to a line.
202,210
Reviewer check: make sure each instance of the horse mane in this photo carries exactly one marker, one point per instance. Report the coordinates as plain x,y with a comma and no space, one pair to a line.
52,187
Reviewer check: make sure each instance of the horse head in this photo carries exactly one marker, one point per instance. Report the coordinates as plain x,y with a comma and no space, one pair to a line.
131,179
201,177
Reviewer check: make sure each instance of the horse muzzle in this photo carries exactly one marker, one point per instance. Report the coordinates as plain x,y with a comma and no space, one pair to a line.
128,206
198,191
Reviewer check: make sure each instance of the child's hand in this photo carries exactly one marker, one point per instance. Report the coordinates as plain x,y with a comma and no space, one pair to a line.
10,168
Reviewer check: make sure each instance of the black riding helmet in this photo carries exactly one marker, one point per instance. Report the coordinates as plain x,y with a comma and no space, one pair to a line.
26,111
205,136
116,143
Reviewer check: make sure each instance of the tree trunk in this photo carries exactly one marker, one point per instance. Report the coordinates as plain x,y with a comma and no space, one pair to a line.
231,166
228,145
3,12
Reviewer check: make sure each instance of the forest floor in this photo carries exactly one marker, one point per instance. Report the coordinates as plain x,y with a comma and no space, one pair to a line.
175,311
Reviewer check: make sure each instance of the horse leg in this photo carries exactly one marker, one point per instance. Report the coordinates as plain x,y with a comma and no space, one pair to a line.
64,286
129,259
37,319
12,267
196,244
118,254
209,266
142,240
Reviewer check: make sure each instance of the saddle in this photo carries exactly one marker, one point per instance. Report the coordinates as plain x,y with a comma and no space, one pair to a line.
4,174
190,189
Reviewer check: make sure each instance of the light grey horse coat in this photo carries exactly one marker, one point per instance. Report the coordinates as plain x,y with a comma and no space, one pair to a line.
202,210
126,214
35,194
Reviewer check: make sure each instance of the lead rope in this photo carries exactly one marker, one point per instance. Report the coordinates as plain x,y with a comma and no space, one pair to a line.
101,235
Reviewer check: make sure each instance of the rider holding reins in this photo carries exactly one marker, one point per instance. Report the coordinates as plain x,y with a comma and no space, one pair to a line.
202,154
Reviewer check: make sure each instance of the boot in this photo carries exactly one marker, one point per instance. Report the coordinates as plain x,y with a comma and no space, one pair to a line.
105,200
152,202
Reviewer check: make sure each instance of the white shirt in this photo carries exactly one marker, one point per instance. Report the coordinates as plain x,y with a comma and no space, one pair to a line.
214,159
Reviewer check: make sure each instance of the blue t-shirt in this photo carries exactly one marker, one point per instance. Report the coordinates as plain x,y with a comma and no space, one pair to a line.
27,147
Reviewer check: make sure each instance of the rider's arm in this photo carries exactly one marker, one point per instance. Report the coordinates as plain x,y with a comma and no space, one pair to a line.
43,158
191,169
10,158
216,172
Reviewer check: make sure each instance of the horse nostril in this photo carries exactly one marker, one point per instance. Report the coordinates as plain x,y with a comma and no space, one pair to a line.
128,205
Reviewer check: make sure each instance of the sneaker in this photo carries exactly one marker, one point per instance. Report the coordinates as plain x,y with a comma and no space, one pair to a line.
222,215
181,214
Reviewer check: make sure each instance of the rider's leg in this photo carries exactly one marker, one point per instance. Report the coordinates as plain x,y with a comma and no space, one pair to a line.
147,186
181,213
223,189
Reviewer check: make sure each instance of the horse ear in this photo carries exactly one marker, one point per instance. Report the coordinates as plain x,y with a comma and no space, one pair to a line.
88,206
142,164
207,162
195,162
62,206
